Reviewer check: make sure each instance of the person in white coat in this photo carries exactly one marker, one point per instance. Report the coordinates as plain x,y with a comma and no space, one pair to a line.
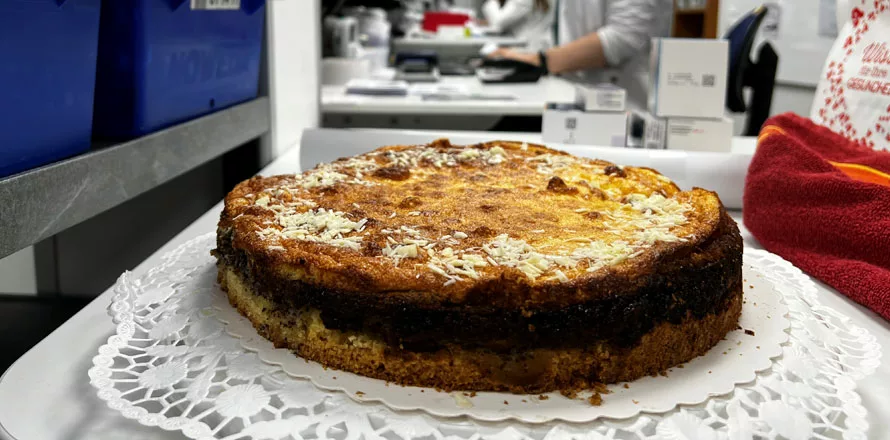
603,41
529,20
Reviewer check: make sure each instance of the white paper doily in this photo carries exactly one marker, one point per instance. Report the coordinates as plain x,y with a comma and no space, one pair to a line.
171,364
734,360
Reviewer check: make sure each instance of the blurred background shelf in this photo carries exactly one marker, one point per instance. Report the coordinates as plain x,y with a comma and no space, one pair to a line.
690,11
44,201
697,21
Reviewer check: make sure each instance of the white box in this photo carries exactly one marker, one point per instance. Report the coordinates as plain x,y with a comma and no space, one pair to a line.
687,77
700,134
588,128
604,97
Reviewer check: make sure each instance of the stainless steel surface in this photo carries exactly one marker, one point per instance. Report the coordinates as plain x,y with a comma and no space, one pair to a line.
39,203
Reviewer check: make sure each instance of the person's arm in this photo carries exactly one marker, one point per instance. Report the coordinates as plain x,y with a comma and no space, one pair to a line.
628,29
502,18
581,54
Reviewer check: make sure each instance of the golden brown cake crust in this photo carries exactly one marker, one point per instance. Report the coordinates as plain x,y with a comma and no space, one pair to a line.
457,368
546,198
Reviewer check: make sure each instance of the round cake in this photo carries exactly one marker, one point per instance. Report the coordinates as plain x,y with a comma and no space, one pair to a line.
501,266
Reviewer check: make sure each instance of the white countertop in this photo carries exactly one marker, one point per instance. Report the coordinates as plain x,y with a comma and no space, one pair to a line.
530,99
46,394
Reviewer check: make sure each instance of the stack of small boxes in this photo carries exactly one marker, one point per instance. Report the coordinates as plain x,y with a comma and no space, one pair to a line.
687,96
597,116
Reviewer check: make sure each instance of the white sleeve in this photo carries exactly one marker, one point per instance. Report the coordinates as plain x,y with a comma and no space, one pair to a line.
502,18
629,27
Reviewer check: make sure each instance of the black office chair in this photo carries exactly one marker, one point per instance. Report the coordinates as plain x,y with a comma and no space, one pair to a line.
743,72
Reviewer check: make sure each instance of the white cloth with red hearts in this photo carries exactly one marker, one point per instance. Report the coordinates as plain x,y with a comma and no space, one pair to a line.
853,95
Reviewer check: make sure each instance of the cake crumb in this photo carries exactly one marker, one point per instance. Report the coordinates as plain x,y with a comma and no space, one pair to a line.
462,401
601,388
506,403
749,332
635,402
360,393
758,347
571,394
626,386
595,399
709,371
472,394
335,377
543,397
681,366
750,286
524,401
421,391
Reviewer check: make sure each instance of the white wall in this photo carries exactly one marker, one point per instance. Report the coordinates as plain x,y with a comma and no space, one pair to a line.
294,63
18,274
797,99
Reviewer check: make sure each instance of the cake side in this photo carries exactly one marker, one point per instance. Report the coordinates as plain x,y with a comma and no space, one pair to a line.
694,284
454,367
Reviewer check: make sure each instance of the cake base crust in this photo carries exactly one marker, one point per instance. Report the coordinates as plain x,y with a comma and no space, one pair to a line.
534,370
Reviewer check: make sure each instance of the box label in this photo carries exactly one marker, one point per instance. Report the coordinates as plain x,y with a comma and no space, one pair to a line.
690,79
610,101
654,134
216,5
571,123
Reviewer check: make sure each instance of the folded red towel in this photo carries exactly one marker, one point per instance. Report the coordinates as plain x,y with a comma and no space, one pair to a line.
822,202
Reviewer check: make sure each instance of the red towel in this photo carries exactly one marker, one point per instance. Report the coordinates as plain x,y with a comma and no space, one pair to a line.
822,202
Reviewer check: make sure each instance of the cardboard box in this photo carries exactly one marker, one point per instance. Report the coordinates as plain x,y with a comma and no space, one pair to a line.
573,126
700,134
687,77
604,97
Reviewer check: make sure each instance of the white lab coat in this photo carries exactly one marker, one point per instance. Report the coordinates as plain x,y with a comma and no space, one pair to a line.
626,28
521,19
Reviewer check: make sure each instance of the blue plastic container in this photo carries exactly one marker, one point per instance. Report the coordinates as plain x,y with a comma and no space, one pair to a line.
161,63
47,73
